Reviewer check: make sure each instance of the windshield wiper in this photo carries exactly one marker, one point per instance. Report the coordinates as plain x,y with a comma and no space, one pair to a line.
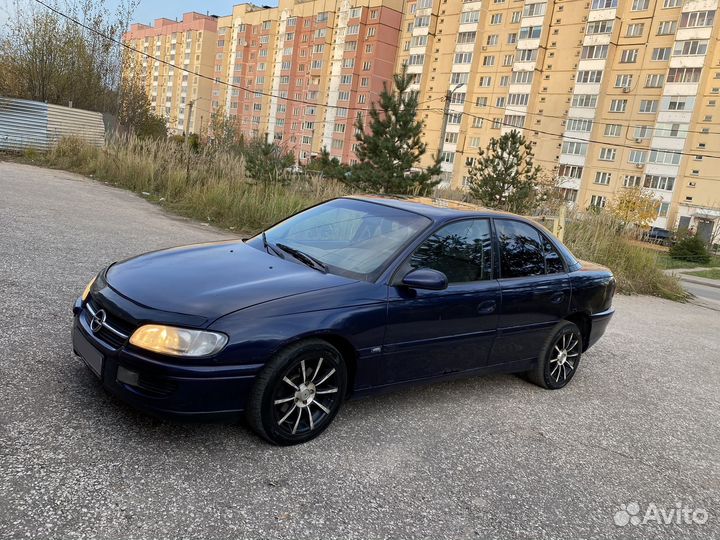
269,247
303,257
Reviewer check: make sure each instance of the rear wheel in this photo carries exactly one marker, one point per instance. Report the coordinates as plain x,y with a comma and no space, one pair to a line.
298,393
559,359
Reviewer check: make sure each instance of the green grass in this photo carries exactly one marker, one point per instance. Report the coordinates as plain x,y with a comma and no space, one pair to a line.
713,273
666,262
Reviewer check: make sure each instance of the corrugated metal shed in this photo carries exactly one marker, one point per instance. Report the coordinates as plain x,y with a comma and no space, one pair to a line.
31,124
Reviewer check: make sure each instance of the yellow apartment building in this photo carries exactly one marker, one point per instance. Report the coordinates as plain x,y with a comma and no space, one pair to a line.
612,93
176,61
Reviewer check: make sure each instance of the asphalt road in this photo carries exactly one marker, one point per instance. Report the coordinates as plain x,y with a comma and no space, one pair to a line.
703,292
491,457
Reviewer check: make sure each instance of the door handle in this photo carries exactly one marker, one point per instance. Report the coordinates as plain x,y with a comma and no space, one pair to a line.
486,307
557,298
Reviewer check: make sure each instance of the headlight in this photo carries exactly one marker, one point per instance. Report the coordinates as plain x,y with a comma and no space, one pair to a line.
178,341
86,292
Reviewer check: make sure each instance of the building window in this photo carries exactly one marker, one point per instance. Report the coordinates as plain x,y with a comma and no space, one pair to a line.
635,30
684,75
470,17
612,130
629,56
655,80
579,124
661,54
603,4
574,148
640,5
665,183
530,32
594,76
602,177
495,18
492,39
623,81
697,19
585,101
694,47
631,181
648,105
667,28
599,27
598,201
594,52
637,157
466,37
618,105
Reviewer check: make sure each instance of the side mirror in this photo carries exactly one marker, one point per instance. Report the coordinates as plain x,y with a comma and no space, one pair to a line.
426,279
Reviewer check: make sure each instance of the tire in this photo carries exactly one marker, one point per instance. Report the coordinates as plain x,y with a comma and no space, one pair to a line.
298,393
554,369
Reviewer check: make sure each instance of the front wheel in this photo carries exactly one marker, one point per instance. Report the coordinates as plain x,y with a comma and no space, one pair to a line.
559,359
298,393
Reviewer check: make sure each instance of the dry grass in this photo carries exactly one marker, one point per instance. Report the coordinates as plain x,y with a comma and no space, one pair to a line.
216,189
602,239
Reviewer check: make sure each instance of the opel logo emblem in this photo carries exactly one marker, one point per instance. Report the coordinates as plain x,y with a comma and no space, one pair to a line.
98,320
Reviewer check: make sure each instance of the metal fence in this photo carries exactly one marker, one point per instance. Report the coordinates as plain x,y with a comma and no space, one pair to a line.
32,124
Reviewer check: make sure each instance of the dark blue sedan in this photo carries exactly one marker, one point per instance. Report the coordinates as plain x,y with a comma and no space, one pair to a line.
347,298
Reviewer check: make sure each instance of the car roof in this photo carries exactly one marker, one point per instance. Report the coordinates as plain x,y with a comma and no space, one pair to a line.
432,207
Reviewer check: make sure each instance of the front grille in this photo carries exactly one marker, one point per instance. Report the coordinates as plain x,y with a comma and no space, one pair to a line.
114,331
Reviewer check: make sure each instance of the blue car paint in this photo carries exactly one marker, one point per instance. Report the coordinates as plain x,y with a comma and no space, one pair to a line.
389,335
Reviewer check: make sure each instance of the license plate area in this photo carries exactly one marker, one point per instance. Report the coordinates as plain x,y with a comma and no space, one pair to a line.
93,358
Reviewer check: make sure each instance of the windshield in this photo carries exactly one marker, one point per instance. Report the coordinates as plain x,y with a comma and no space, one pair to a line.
351,237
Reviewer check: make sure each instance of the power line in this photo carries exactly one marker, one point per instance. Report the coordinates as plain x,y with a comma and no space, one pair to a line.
215,80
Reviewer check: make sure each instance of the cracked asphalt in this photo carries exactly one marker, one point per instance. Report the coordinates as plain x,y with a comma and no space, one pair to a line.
489,457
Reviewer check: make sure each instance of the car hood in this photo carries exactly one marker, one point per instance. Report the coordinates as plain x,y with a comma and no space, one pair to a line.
212,280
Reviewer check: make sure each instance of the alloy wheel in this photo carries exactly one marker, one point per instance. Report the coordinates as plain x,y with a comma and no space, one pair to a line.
306,395
564,356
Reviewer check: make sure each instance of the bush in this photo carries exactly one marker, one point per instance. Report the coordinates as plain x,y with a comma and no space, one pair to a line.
690,249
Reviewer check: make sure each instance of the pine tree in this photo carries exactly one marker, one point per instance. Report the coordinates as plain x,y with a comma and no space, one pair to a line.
504,176
390,146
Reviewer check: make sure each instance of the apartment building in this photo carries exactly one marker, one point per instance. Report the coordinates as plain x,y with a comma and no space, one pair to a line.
179,68
300,73
612,93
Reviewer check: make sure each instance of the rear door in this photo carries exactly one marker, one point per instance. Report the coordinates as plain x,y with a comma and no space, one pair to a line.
535,290
433,333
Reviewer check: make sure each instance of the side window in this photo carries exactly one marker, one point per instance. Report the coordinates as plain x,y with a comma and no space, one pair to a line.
553,259
521,252
462,251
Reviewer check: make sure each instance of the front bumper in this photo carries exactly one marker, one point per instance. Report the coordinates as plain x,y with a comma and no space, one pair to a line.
164,388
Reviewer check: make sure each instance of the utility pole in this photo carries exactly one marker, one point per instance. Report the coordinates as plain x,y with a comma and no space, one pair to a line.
446,112
187,139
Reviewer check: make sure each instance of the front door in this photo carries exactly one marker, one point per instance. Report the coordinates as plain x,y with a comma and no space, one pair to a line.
432,333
